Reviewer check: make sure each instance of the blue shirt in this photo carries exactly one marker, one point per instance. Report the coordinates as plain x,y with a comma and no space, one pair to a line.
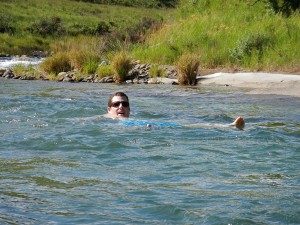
141,123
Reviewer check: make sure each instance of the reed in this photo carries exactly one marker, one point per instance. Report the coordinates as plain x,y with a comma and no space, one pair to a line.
187,69
121,65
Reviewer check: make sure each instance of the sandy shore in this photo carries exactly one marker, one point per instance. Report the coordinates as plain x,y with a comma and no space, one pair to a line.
256,83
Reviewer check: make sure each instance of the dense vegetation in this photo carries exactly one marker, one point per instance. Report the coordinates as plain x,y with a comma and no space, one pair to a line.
230,34
31,25
136,3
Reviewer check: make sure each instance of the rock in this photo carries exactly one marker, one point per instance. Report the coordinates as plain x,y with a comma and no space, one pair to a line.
8,74
2,71
106,80
61,76
40,54
103,63
68,79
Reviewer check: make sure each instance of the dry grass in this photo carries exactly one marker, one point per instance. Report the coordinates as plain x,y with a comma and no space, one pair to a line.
187,69
121,65
57,63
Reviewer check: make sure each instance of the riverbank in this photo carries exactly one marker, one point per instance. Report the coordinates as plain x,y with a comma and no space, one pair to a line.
256,83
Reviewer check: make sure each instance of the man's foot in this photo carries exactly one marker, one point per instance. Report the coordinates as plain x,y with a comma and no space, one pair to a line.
239,123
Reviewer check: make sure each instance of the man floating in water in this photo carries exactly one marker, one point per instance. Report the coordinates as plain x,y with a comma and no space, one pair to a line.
118,107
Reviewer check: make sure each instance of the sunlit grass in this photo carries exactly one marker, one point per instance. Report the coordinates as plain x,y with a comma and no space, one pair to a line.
215,31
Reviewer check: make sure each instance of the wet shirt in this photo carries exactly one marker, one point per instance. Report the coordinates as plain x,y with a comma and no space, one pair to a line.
142,123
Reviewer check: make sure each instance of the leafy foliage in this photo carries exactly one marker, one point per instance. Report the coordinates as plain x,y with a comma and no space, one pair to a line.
6,23
284,6
250,45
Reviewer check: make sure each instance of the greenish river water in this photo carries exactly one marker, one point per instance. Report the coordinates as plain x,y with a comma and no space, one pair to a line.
61,162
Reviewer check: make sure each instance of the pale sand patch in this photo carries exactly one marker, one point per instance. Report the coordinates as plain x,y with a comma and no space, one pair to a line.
257,83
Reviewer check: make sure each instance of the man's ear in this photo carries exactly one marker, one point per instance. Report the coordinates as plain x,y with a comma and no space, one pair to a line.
108,109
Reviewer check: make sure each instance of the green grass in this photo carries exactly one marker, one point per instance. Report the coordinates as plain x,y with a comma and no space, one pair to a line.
32,25
230,34
263,39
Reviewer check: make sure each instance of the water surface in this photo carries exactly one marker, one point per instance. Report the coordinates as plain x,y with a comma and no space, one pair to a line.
61,162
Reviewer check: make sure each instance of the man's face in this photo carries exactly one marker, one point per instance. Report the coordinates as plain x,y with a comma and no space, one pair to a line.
119,107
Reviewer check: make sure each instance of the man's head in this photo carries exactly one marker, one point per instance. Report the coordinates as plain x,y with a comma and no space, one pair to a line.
118,105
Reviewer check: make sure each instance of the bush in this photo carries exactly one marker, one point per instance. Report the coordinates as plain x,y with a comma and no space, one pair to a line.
121,65
57,63
286,7
79,29
102,28
250,45
6,22
104,71
135,33
47,27
187,69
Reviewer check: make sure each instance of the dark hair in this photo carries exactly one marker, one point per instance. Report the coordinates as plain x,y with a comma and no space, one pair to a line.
119,93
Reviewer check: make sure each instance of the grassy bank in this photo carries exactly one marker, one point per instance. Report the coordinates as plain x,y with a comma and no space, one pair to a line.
231,35
27,26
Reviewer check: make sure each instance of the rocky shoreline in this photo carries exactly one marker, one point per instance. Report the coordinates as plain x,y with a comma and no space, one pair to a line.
254,82
140,73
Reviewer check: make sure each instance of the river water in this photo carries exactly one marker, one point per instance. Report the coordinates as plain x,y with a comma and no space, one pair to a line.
61,162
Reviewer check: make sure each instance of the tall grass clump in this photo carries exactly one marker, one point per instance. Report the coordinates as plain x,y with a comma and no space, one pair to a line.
121,65
104,71
156,71
57,63
26,71
187,69
80,53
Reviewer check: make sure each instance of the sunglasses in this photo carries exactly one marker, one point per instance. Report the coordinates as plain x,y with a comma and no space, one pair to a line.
117,104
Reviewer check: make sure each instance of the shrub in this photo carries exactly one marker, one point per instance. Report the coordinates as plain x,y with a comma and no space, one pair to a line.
6,23
57,63
102,28
79,29
47,27
135,33
250,45
187,69
286,7
104,71
121,65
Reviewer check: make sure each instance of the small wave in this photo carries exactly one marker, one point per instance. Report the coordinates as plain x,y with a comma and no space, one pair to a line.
9,62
